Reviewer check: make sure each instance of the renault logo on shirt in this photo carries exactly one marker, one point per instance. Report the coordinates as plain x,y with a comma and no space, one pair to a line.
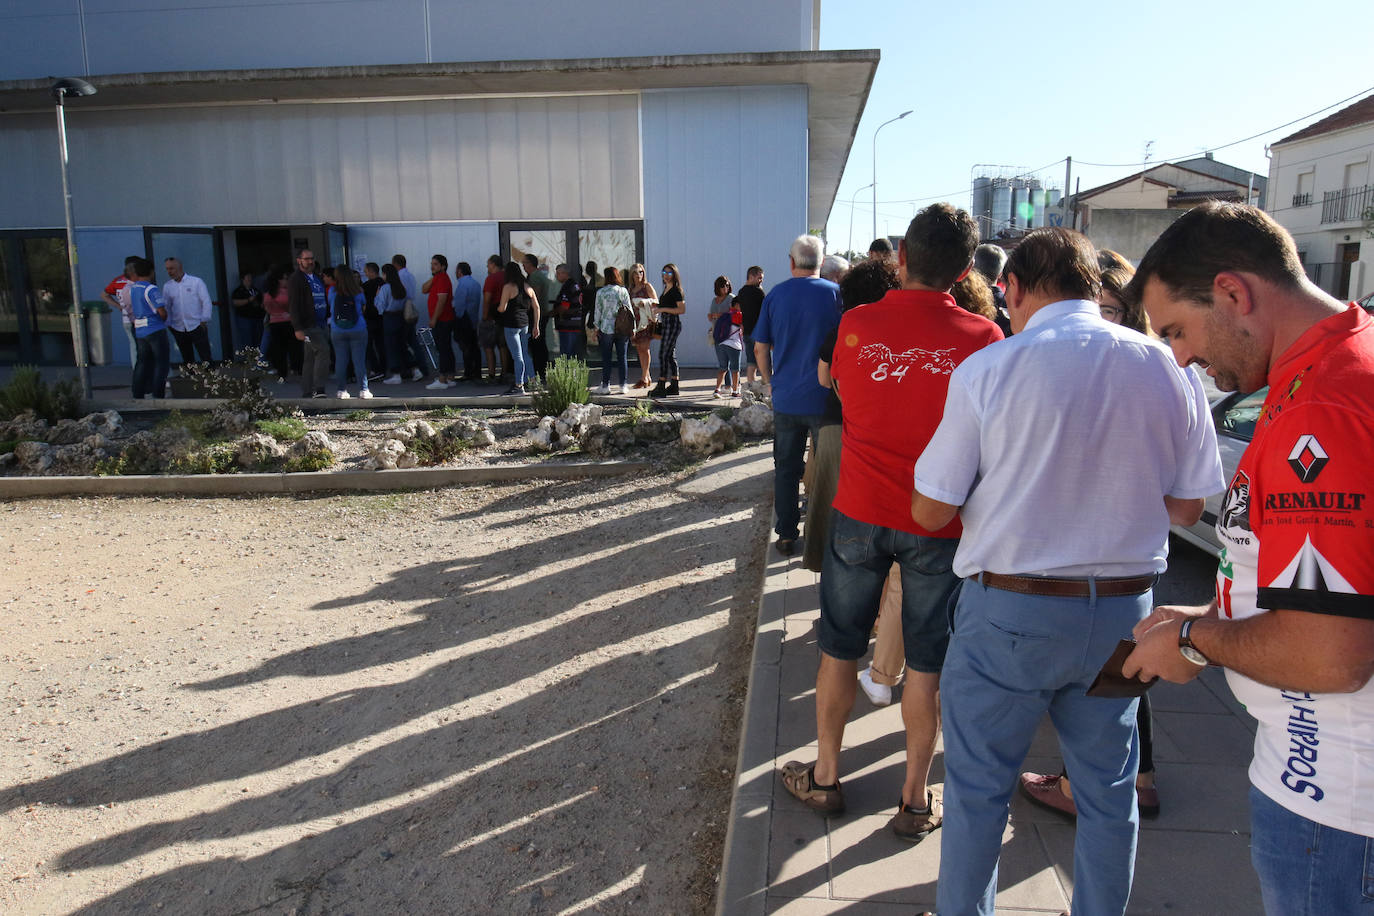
1307,458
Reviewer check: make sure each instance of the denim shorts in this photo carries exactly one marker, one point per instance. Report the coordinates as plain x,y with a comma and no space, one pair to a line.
856,564
728,358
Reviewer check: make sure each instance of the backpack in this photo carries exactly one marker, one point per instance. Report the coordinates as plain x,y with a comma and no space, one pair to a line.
723,328
624,321
345,312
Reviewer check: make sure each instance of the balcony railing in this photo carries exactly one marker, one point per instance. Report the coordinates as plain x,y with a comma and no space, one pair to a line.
1302,200
1348,205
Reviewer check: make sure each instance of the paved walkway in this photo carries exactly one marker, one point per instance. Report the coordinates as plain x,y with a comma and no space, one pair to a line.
782,858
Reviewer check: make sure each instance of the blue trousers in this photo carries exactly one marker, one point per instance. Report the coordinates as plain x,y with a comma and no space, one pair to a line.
1306,868
518,340
350,346
620,345
1011,659
789,461
154,356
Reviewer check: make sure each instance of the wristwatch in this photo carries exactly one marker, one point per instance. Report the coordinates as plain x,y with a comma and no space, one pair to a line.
1186,647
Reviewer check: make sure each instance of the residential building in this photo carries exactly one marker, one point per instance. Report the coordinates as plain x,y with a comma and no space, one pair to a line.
1128,215
1322,191
247,131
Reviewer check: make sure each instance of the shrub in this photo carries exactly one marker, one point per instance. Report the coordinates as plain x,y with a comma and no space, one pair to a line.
214,459
358,415
238,384
198,425
26,390
724,413
639,412
311,461
440,449
286,429
567,384
446,413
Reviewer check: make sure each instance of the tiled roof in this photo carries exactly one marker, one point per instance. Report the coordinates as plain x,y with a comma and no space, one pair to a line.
1362,112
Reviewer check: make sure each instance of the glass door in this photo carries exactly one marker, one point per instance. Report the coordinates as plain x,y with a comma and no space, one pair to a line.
201,254
335,245
10,333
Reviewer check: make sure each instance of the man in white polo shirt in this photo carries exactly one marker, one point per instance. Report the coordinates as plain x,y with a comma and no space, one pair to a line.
1066,451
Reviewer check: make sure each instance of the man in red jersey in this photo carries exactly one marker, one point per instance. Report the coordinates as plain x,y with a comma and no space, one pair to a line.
890,367
1293,621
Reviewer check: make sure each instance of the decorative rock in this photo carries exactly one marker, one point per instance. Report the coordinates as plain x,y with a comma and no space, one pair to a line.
257,449
8,460
388,456
707,436
80,458
753,419
471,431
27,425
623,438
662,427
598,441
414,429
233,422
106,422
542,436
755,392
150,451
34,457
314,442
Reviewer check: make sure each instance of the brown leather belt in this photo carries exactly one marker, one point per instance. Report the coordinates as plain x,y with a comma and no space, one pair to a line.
1066,588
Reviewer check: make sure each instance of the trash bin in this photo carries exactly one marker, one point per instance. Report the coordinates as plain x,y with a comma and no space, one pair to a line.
97,316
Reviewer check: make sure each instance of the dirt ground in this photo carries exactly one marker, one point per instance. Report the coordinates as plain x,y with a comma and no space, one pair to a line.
501,699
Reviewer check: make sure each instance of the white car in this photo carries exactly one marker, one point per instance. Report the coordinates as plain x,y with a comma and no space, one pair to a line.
1234,416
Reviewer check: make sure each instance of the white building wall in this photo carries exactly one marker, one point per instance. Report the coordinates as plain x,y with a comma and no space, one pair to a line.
564,157
471,242
87,37
1328,161
725,178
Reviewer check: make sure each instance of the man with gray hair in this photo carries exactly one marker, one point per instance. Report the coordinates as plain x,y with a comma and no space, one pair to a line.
989,260
794,320
833,268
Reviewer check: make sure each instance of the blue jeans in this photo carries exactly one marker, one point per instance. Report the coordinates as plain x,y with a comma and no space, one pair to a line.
728,360
572,344
350,346
789,461
1306,868
856,564
518,340
621,346
1011,659
154,356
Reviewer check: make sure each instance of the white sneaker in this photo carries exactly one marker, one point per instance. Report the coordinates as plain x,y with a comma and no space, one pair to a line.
392,380
624,389
716,395
436,385
342,395
416,374
878,694
365,394
603,388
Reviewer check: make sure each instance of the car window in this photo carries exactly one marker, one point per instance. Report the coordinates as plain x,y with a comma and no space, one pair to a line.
1238,419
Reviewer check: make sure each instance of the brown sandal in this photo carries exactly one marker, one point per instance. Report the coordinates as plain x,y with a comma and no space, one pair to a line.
800,780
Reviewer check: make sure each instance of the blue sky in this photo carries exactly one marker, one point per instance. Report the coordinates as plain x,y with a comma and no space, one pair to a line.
1025,85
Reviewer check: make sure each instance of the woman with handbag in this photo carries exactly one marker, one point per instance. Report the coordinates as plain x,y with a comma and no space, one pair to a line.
669,311
643,297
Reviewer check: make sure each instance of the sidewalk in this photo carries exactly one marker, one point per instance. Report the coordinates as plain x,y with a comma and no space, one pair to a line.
782,858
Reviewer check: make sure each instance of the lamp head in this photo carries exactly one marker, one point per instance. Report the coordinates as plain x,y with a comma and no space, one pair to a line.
899,117
71,87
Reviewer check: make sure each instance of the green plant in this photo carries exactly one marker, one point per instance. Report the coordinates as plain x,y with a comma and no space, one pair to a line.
238,384
197,424
26,390
446,413
358,415
286,429
312,461
638,413
566,384
109,467
7,445
429,452
214,459
723,412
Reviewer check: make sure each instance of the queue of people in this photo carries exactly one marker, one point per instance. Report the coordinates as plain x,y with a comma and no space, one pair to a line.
974,507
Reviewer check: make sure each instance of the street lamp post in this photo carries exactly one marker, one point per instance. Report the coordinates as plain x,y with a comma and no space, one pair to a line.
853,201
875,169
61,90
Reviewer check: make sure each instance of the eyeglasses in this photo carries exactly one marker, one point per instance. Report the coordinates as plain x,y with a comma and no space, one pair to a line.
1112,312
667,273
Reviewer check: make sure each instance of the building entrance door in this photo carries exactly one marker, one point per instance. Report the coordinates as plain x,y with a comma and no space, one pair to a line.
201,255
1346,255
35,298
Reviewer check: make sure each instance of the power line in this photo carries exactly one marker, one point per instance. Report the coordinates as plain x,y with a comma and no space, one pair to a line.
1167,159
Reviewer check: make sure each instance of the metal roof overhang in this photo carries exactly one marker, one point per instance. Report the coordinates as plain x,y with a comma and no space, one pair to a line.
838,83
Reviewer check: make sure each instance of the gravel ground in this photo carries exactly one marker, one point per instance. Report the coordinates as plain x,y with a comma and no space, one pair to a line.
505,699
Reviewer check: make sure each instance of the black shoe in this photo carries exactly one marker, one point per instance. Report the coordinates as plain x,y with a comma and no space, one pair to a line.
318,394
659,390
786,546
672,388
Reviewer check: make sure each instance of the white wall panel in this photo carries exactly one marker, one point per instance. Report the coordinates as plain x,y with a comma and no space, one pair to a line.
45,37
516,159
725,186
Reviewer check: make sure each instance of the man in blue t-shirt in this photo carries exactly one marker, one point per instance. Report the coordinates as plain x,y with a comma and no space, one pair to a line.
795,318
152,344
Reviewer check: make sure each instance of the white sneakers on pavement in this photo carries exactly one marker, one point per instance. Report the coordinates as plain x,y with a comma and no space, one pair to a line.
342,394
624,389
878,694
365,394
603,388
416,374
392,380
436,385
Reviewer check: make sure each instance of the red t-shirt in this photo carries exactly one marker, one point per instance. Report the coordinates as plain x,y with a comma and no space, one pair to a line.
112,289
491,294
891,366
439,284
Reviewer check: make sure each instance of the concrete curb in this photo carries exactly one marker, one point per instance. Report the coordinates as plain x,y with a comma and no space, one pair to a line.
743,886
417,403
307,482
